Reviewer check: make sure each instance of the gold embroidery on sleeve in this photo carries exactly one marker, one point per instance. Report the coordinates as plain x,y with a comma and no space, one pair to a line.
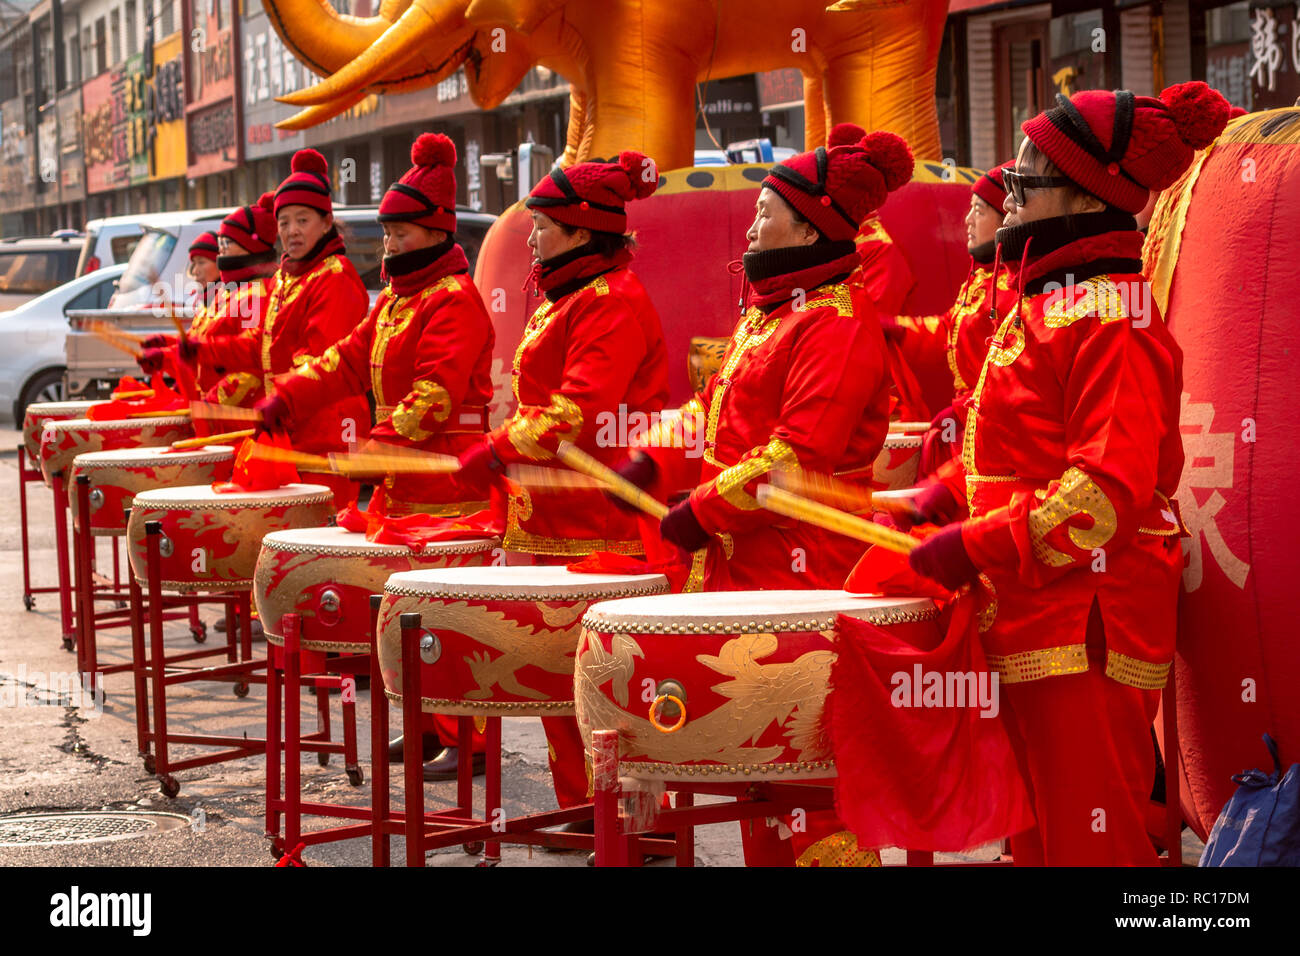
410,412
1077,494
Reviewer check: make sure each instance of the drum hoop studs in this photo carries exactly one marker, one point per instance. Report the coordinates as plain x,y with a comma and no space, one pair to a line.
681,713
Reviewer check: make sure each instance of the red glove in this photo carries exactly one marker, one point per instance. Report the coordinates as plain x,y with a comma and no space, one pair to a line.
157,341
682,528
276,417
151,360
188,349
943,558
479,466
936,505
640,469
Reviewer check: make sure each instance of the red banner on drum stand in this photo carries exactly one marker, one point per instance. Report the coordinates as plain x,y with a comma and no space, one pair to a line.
923,759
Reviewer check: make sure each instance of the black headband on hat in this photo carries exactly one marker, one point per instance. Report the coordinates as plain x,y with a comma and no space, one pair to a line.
1067,118
571,197
815,189
320,187
412,193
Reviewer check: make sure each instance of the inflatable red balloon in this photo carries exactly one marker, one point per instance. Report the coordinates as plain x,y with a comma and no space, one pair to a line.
1225,271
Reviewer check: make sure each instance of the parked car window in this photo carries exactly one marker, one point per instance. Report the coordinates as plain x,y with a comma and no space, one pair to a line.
365,244
87,299
148,260
36,271
123,246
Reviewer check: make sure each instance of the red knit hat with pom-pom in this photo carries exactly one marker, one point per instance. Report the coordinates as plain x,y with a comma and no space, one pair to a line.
990,186
834,188
426,194
252,227
204,246
1119,146
594,195
308,183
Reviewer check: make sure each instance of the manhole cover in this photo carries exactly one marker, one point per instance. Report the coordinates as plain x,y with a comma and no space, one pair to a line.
51,829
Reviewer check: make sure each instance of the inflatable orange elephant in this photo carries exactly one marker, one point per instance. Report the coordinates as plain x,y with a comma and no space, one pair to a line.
633,65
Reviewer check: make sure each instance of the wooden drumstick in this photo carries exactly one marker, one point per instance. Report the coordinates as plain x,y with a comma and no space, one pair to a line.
580,461
138,393
426,463
211,439
163,413
832,519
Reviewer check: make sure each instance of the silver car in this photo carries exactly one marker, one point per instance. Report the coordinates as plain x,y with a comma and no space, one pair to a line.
32,339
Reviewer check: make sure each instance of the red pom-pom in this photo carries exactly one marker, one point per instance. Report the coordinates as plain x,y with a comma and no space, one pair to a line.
309,161
1199,112
642,174
433,149
267,201
890,154
845,134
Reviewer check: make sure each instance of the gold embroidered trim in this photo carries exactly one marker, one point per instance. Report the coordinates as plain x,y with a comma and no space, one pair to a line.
286,291
517,708
530,423
793,769
776,455
397,508
312,369
1076,494
754,329
235,388
838,849
429,397
695,580
835,294
1099,297
671,431
1135,672
1035,665
519,540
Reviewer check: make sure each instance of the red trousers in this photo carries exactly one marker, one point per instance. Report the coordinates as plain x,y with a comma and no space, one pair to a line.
1083,742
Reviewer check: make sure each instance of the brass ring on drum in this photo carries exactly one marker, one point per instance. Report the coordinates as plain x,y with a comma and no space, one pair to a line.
96,499
681,713
166,547
430,648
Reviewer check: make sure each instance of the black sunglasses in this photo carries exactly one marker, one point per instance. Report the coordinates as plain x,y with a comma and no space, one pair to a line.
1017,183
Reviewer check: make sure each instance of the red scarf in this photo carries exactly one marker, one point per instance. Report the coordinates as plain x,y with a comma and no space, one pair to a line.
558,276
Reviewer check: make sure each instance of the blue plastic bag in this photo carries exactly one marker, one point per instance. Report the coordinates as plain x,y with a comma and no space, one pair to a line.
1260,824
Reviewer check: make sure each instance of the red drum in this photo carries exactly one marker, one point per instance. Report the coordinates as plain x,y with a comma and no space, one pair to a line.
38,413
61,442
210,541
117,476
725,683
500,640
899,461
327,575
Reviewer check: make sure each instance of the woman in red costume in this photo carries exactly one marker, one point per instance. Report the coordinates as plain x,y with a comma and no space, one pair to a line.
804,384
1072,454
246,262
593,351
317,299
425,352
961,334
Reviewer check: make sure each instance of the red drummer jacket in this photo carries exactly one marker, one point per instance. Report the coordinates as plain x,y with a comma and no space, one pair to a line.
799,388
425,352
305,315
962,335
1072,454
588,362
230,314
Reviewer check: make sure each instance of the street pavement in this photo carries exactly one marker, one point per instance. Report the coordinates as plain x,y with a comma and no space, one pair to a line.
57,757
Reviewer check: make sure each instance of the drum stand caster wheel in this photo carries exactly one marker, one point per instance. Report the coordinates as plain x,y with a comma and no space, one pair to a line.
241,688
200,633
29,601
168,785
120,605
473,849
323,759
149,765
486,863
69,642
355,776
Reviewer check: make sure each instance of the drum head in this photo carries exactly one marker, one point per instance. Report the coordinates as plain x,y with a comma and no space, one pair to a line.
342,541
528,583
203,495
151,457
751,611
